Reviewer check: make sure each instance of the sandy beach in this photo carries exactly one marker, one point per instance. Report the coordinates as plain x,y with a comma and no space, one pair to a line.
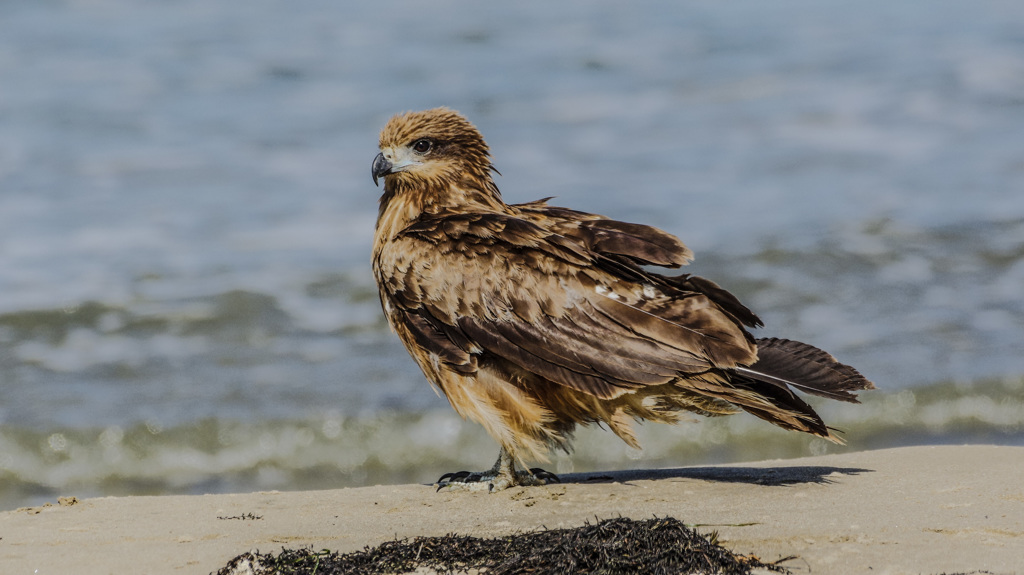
941,509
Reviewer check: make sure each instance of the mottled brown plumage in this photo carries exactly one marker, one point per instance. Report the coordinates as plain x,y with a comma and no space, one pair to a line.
532,319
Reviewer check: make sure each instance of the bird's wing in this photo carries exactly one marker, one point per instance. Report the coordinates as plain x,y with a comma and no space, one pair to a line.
622,247
640,244
497,284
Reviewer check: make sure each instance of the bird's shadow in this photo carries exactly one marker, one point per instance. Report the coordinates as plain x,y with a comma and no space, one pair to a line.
752,475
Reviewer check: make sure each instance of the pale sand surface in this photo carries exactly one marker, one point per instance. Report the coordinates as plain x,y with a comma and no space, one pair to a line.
907,510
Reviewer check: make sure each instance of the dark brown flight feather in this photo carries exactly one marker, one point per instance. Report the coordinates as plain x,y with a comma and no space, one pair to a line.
533,319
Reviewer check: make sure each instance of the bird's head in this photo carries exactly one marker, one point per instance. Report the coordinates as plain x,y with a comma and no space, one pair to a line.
434,149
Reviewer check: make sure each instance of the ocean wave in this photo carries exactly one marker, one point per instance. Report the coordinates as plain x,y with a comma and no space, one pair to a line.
332,450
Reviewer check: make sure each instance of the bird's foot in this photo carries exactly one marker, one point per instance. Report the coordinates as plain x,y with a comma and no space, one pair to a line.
502,476
494,480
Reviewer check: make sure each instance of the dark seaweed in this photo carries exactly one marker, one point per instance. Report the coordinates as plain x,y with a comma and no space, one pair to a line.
612,546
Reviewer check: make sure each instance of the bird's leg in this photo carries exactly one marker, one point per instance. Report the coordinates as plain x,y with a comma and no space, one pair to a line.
502,476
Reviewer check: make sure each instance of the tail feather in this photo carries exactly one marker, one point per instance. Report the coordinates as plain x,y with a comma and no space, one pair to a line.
784,408
784,363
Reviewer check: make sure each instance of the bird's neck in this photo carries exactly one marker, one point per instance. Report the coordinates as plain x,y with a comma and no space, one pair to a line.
402,204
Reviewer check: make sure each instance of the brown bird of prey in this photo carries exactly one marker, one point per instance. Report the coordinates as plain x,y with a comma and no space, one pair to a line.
532,319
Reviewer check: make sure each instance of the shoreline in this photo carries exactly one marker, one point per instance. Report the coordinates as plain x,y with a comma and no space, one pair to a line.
929,509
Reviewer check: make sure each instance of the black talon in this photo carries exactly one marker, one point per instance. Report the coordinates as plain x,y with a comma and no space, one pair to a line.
545,475
458,476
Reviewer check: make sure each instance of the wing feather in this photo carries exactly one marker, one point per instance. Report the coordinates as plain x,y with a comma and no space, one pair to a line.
494,342
438,342
644,244
607,337
571,349
725,300
701,332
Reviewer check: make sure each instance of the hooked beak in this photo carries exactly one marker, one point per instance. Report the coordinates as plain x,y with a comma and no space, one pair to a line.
381,167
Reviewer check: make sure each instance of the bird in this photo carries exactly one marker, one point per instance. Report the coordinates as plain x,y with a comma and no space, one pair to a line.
534,319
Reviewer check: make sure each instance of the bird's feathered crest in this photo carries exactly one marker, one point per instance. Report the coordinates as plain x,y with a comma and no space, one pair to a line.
441,124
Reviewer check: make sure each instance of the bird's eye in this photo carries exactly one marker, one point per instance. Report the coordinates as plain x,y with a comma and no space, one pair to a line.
422,146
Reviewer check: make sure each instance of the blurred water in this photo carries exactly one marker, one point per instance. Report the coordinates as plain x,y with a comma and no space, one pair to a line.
186,213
